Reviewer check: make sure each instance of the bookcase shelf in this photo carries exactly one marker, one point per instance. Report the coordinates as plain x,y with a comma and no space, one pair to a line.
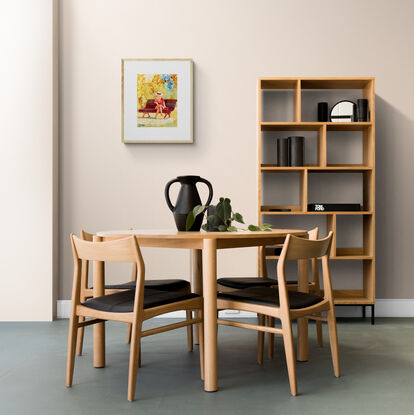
324,132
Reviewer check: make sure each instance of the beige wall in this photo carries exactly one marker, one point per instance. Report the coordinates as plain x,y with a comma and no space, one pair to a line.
109,185
27,162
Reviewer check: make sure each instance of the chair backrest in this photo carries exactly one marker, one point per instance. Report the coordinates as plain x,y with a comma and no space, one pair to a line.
86,236
296,248
301,248
312,235
113,250
120,250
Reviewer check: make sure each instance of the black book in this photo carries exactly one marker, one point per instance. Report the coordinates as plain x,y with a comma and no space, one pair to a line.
334,207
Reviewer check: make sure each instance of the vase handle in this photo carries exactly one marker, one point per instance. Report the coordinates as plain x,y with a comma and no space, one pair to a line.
167,193
210,189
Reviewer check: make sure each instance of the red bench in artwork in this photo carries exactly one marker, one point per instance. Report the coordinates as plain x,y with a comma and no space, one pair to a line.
150,107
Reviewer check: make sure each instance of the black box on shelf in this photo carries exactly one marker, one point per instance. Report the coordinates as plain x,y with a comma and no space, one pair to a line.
334,207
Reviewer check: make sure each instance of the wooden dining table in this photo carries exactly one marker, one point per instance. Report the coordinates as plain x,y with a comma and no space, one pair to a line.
204,246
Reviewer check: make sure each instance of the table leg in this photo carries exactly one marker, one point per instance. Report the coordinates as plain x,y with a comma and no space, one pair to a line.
197,281
303,286
99,328
210,314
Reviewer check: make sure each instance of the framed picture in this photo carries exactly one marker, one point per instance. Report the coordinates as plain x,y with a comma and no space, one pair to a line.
157,101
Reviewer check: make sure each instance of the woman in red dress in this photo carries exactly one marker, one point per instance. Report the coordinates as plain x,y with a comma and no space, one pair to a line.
159,104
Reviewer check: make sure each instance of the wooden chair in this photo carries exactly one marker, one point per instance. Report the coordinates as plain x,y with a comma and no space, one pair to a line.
228,284
286,305
129,306
161,284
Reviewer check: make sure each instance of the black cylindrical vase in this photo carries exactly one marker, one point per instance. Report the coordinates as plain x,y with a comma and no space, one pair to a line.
282,152
323,112
296,144
362,110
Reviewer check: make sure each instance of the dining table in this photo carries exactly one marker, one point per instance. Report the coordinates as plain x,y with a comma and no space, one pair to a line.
204,247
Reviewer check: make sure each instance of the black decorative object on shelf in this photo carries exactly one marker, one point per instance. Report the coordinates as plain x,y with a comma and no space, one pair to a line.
362,110
282,152
334,207
323,115
296,145
187,199
343,111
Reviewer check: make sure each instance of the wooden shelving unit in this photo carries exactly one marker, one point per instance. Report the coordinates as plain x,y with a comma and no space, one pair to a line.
294,88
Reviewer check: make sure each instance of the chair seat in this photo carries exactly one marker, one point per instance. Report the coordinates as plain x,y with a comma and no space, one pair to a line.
162,285
123,302
240,283
270,297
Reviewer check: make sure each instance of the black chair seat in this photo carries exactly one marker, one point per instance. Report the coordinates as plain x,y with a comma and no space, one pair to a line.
240,283
123,302
270,297
162,285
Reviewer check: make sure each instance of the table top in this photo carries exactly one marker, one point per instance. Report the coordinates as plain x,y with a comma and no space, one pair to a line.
194,240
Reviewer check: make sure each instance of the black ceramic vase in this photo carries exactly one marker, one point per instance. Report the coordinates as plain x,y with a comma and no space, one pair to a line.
187,199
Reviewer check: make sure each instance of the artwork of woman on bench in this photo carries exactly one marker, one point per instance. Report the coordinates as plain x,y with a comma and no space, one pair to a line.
157,100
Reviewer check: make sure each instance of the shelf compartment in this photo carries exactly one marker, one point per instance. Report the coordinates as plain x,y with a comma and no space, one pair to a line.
314,144
351,297
281,97
291,193
324,184
351,253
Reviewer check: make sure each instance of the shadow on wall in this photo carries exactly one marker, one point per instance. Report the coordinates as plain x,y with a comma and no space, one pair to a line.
394,196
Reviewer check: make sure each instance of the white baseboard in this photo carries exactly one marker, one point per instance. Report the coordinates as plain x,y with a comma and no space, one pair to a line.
383,308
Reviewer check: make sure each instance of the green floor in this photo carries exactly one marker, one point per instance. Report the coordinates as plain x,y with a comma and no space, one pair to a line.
377,367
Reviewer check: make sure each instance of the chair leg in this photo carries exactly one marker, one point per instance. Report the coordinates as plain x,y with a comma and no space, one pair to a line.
189,316
319,332
128,333
290,354
81,330
270,339
260,339
201,346
134,357
70,362
333,339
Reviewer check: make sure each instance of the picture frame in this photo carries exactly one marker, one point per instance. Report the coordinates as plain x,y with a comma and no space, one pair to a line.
157,101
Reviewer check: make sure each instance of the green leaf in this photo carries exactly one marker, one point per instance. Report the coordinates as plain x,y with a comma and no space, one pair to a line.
253,228
267,229
199,209
222,228
227,210
220,211
204,227
232,229
211,219
190,221
266,225
238,218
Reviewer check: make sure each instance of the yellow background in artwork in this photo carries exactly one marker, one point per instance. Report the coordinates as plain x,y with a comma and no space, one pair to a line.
147,87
